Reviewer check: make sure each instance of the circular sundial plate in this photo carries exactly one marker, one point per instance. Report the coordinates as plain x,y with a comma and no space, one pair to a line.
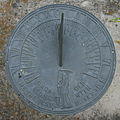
88,60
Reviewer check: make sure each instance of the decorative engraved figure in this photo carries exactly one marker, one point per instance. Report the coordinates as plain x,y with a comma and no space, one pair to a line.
63,88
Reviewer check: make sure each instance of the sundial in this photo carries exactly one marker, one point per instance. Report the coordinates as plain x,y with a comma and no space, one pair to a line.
60,59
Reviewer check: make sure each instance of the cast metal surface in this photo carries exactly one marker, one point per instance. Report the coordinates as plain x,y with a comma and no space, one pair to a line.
61,70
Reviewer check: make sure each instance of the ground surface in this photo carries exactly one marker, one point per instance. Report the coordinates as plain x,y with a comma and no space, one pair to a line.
11,108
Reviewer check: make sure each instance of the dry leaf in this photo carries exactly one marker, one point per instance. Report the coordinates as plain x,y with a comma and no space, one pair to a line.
24,1
118,41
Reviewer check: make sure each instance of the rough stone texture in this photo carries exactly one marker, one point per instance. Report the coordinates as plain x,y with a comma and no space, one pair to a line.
11,107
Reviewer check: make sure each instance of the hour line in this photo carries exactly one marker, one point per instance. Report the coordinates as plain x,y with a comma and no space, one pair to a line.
90,75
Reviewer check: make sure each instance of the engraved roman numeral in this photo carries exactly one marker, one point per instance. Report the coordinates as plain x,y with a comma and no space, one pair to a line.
31,77
101,80
30,67
81,93
93,63
68,30
95,70
86,21
98,86
80,85
84,84
92,49
46,14
97,66
15,52
31,41
28,54
13,67
26,58
105,44
97,31
79,16
26,61
27,51
89,96
107,62
27,48
94,56
90,43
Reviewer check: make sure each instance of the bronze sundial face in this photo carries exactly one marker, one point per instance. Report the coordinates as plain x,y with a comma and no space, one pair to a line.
60,59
